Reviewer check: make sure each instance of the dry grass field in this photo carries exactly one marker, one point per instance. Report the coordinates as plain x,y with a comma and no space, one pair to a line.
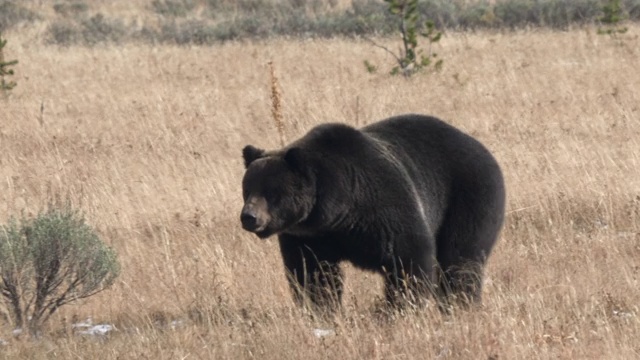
147,142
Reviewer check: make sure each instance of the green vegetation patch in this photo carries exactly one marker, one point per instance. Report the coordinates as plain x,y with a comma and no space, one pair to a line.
213,21
13,13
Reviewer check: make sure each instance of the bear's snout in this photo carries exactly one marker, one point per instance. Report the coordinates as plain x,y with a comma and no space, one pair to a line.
251,219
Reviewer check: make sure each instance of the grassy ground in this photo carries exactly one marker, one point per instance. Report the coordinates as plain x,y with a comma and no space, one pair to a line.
147,141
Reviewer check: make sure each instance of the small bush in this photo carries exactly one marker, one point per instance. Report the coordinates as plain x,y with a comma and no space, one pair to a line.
50,261
71,9
63,33
193,32
5,69
510,13
99,29
12,14
514,13
633,8
410,59
481,15
88,31
173,8
612,16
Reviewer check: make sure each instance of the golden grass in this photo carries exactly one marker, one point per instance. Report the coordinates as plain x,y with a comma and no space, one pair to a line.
147,141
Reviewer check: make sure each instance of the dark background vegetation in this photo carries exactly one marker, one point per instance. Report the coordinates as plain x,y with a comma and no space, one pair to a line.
215,21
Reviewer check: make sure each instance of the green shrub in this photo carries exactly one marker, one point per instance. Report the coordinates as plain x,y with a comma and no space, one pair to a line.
12,14
633,8
63,33
100,29
511,13
612,16
173,8
514,13
481,15
50,261
5,69
197,32
97,29
561,14
410,59
71,9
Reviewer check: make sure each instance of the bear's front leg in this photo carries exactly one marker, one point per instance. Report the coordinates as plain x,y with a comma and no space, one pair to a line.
314,274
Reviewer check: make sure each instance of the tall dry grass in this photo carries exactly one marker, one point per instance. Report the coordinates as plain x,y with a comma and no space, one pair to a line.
147,142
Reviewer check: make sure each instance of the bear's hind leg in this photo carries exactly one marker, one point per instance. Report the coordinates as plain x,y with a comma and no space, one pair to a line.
412,283
466,238
461,282
314,275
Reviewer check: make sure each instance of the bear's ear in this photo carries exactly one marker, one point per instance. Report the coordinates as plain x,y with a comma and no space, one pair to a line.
250,154
297,159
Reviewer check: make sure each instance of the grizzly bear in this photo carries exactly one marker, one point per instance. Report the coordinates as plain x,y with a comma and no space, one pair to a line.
409,197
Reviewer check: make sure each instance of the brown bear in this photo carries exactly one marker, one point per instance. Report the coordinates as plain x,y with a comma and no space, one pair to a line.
409,197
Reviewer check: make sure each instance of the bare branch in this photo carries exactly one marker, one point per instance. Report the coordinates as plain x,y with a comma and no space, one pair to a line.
398,59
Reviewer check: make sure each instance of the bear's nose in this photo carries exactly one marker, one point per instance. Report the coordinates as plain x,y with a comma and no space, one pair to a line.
249,219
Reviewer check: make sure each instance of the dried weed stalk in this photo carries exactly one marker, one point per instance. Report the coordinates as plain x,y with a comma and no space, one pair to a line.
276,103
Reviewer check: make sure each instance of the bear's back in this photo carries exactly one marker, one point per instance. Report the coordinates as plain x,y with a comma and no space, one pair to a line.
431,143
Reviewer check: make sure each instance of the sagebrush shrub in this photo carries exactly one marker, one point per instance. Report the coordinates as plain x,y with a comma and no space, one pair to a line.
173,8
13,13
49,261
5,69
71,9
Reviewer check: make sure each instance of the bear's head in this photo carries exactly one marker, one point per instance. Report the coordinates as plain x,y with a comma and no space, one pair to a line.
279,190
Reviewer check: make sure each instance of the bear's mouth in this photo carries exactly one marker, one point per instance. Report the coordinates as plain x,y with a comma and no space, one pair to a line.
263,234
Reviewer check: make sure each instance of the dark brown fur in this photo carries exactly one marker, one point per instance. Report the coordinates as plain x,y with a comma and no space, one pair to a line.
410,197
